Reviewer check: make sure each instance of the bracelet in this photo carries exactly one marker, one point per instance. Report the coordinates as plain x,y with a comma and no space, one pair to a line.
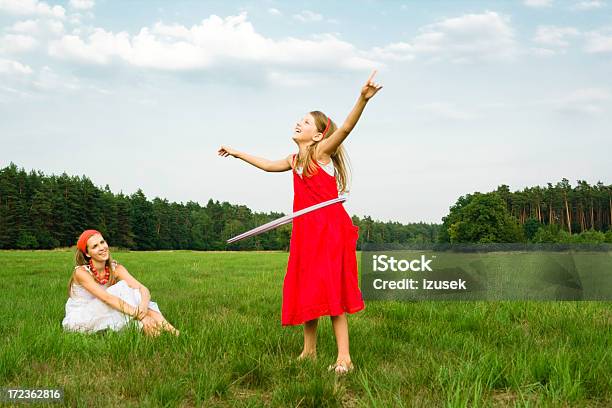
137,315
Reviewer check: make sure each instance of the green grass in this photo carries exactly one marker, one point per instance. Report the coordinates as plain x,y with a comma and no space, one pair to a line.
234,352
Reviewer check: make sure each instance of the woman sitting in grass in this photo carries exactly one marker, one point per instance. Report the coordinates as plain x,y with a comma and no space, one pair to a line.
103,295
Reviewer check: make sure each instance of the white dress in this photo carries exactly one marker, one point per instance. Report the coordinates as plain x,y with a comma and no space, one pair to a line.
87,313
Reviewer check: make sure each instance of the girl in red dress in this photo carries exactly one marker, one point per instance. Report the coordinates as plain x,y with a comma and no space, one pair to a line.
321,277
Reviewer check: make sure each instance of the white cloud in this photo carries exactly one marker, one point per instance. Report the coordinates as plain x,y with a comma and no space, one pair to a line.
31,7
27,26
323,50
14,43
599,41
47,80
589,5
76,19
38,27
24,81
400,51
555,36
214,41
538,3
307,16
82,4
10,67
102,46
175,30
149,51
471,37
274,12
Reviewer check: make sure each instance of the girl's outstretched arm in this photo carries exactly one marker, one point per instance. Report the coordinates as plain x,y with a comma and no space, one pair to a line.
330,144
264,164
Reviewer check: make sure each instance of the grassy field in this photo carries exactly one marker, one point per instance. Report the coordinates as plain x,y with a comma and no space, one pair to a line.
234,352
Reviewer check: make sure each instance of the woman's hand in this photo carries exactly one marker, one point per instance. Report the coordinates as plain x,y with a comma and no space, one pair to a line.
370,88
227,151
141,312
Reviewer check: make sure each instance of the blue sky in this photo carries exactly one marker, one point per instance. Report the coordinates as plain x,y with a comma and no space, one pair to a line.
140,94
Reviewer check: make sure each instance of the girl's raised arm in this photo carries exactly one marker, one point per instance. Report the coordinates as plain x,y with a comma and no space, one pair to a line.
261,163
331,143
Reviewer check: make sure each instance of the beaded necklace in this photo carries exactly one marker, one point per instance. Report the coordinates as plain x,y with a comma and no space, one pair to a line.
102,280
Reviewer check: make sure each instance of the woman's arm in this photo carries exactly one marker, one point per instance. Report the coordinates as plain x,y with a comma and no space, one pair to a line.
87,281
329,145
145,295
264,164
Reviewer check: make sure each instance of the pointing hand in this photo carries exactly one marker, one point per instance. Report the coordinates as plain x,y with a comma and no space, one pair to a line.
370,88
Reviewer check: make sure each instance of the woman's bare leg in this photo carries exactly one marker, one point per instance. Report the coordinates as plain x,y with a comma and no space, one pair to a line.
310,339
340,324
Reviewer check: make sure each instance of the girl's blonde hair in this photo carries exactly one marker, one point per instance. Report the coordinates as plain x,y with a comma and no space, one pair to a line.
339,157
80,259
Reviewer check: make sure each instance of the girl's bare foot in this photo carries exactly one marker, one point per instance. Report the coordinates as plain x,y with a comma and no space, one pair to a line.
168,327
342,366
311,355
152,331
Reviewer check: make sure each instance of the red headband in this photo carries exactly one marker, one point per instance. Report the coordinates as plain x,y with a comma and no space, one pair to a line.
326,128
82,242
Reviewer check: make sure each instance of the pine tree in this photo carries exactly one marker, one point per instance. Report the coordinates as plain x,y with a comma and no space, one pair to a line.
143,221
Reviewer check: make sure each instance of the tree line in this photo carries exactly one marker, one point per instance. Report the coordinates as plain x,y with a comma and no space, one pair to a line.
556,213
43,212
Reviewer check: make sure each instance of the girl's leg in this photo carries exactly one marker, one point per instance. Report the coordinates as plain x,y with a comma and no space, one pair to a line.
340,324
310,339
161,320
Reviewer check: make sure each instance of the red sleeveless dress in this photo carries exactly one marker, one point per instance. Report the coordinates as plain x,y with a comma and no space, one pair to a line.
321,277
